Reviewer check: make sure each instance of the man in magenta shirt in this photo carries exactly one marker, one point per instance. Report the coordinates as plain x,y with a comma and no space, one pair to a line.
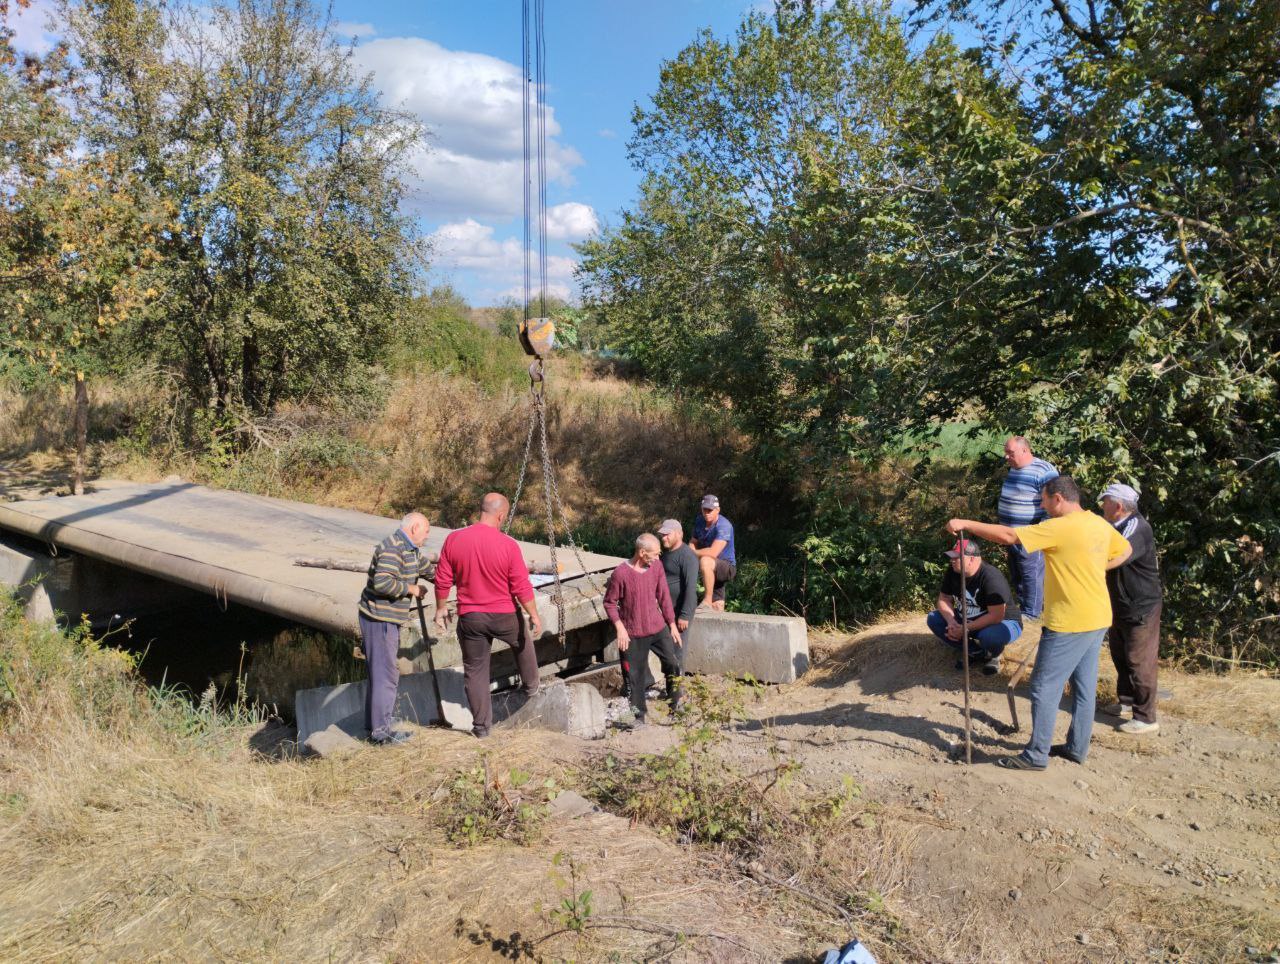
490,573
638,604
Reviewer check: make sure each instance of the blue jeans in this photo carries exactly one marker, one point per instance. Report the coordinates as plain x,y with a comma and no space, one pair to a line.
1026,572
990,640
1062,657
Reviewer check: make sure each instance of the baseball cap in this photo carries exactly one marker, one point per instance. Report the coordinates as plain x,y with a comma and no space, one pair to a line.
710,502
963,546
670,525
1120,492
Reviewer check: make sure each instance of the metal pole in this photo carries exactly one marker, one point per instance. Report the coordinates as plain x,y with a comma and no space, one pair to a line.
964,643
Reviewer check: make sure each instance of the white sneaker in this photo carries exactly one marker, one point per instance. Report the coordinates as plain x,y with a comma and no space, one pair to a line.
1138,726
1122,710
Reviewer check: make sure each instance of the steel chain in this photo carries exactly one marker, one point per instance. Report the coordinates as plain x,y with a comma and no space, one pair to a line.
554,507
524,465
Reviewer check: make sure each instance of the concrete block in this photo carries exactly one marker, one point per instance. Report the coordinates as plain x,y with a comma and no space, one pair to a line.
773,649
569,805
331,741
26,574
343,705
573,708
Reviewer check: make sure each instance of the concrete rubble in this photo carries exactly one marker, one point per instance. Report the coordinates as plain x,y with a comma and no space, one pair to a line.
573,708
323,707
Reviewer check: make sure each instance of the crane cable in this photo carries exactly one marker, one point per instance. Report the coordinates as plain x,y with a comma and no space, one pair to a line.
534,117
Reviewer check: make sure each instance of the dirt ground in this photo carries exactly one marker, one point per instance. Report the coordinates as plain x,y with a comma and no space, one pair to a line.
127,845
1159,847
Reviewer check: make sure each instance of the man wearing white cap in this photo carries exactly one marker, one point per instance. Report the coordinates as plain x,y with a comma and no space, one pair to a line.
1136,601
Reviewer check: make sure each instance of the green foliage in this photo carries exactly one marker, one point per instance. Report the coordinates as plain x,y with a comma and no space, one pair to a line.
478,807
854,241
283,256
575,910
39,662
690,792
45,671
437,332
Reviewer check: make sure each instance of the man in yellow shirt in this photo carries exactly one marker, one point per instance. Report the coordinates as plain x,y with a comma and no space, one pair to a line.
1079,547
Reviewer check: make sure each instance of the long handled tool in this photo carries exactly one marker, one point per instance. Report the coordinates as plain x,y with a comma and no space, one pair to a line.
431,664
964,642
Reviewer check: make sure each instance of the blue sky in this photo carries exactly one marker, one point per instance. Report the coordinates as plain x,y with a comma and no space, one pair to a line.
457,67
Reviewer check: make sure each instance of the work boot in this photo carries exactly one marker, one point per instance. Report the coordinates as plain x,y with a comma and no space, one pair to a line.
1121,710
675,691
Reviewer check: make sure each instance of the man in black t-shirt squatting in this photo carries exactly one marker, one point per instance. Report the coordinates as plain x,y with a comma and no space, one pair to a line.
994,618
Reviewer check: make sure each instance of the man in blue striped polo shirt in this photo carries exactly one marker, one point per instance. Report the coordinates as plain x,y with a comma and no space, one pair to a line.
1020,506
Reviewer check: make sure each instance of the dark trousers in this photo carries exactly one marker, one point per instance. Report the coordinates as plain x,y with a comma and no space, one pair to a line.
381,644
1135,649
637,662
476,633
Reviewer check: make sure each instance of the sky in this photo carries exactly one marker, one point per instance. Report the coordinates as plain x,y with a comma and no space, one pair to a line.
456,66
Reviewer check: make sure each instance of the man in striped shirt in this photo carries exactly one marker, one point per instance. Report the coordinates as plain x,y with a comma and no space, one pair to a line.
385,606
1020,506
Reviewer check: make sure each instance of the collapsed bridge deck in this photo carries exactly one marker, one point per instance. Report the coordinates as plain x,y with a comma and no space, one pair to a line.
240,548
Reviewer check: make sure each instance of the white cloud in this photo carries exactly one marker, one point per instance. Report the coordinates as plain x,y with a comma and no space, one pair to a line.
29,25
608,133
472,104
345,30
471,246
571,221
555,289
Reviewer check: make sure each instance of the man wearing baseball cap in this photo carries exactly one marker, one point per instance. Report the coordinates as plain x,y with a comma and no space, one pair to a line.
1136,600
713,544
1079,547
994,618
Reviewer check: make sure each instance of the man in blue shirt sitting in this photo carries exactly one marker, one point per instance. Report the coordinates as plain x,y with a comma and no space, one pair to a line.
712,543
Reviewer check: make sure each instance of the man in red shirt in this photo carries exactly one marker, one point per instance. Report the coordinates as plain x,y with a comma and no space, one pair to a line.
638,603
486,565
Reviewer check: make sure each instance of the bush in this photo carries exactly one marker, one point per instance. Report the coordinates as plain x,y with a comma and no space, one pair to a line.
478,807
691,793
51,678
437,334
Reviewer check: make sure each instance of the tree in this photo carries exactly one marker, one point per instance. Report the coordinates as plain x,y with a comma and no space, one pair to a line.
287,254
1156,287
853,239
75,239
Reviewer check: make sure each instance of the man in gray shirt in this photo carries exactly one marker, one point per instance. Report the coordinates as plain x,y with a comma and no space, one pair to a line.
681,566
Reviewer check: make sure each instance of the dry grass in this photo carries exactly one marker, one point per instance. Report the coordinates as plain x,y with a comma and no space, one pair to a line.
627,456
1245,701
130,847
